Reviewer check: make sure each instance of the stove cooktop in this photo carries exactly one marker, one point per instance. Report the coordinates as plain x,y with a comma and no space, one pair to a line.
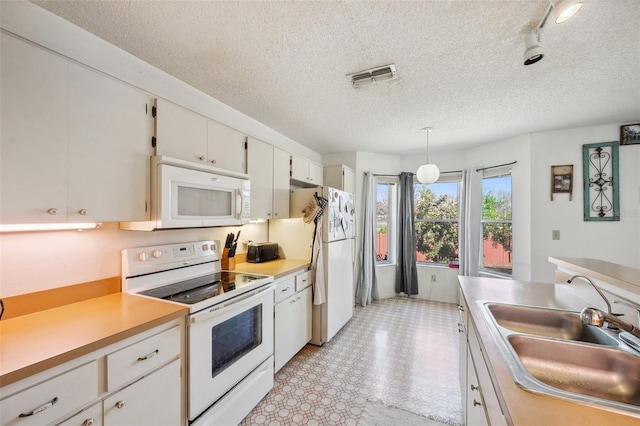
202,288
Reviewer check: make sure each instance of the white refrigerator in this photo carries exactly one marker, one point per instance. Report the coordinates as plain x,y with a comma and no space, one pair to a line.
338,246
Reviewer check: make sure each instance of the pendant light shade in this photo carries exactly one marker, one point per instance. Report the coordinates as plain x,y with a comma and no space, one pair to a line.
564,10
428,173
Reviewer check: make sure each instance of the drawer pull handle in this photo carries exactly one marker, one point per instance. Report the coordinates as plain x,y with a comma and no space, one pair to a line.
149,355
88,422
119,404
41,408
285,289
476,403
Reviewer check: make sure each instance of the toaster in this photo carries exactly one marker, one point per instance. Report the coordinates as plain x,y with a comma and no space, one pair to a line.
262,252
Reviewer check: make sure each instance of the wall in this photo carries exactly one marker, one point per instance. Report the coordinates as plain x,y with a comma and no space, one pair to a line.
616,242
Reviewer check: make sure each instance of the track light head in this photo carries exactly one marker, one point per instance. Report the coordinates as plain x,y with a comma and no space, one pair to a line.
564,10
532,49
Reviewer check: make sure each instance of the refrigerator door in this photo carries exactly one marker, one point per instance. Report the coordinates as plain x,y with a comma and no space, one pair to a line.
339,215
330,317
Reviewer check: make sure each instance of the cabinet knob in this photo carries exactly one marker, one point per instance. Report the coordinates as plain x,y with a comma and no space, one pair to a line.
201,158
52,211
474,387
476,403
213,161
88,422
460,330
83,212
119,404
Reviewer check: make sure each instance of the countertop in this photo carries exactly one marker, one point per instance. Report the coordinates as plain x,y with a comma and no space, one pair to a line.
278,268
522,407
35,342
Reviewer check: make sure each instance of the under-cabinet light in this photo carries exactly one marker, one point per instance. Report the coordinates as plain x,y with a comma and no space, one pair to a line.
35,227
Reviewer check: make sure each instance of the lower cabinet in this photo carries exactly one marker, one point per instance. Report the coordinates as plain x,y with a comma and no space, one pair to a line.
148,389
292,323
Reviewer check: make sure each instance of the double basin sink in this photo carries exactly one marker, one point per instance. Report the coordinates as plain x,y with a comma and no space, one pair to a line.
552,352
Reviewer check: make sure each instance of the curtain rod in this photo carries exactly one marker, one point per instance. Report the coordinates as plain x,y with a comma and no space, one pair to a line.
442,173
494,167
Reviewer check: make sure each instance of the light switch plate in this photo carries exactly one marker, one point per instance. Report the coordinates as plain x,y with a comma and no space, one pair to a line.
555,234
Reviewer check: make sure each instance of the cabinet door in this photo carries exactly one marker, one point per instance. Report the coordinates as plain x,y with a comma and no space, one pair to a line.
281,174
348,180
260,167
299,168
304,310
180,133
153,400
315,173
226,147
109,148
33,169
475,413
292,326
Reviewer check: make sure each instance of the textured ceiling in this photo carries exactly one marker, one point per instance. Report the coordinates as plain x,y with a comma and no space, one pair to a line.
459,62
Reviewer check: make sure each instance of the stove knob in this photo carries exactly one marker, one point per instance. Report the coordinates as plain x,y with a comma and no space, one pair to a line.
156,253
205,247
143,257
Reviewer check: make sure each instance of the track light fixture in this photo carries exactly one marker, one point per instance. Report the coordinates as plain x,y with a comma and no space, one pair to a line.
562,10
428,173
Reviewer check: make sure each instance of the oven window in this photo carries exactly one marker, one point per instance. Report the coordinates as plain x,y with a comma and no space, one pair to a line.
234,338
194,201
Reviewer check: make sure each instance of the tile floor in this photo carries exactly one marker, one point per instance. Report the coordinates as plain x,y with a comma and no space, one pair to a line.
401,352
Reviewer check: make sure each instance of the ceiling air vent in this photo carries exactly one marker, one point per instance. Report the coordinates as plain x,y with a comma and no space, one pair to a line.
374,75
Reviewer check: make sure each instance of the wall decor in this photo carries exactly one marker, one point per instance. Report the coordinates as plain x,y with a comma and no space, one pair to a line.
601,186
630,134
562,180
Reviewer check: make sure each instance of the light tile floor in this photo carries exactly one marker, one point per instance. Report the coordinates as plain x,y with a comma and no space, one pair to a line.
402,352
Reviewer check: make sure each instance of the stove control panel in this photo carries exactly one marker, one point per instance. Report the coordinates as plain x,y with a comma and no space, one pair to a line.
145,260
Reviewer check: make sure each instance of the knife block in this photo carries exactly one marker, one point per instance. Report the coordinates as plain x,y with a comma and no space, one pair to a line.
227,263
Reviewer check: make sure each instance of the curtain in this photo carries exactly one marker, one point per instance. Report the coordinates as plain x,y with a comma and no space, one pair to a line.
470,235
367,289
406,269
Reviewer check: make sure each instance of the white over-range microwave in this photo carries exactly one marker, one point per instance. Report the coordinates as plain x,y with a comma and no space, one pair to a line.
190,195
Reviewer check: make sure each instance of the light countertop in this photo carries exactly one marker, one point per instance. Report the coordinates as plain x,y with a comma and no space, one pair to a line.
278,268
522,407
35,342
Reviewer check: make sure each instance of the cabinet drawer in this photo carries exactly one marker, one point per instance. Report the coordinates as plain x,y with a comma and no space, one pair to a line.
50,400
284,289
92,416
139,358
303,281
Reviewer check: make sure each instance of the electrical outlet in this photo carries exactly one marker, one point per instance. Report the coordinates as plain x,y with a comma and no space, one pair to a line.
555,234
433,278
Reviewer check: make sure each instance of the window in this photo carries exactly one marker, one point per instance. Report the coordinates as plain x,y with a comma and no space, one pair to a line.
497,229
436,215
386,207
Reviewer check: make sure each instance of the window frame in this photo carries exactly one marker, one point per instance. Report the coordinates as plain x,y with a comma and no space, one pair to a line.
392,218
491,174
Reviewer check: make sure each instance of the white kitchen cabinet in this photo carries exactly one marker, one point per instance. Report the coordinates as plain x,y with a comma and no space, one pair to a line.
134,381
151,400
75,142
340,177
187,135
180,133
306,171
226,147
479,398
268,167
292,323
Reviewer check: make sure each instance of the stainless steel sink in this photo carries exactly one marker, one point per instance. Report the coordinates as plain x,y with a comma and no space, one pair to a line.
594,371
548,322
551,352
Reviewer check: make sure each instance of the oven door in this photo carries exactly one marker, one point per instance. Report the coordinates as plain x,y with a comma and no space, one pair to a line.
226,343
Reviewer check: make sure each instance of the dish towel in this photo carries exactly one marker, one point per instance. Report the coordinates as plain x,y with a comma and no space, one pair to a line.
317,267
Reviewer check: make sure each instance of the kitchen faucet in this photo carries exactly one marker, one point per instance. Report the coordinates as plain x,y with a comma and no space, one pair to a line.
593,316
573,277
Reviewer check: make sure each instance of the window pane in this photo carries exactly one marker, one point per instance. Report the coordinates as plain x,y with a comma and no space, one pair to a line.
436,221
382,223
496,224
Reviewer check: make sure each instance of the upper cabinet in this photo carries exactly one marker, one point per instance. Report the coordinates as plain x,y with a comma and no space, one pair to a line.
306,171
187,135
75,142
340,177
268,167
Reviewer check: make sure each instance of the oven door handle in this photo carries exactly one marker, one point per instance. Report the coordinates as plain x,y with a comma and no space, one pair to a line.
243,300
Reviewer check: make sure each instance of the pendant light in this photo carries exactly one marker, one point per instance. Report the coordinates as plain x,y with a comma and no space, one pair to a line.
428,173
563,10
